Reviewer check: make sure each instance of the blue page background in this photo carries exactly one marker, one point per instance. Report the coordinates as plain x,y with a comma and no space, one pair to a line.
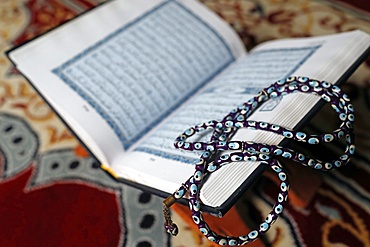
138,75
237,85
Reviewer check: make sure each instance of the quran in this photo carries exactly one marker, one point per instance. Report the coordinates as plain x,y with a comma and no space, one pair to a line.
127,77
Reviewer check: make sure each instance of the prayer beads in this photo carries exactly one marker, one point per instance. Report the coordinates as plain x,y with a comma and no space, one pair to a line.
260,152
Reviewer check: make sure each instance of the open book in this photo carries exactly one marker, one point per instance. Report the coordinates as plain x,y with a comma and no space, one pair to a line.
129,76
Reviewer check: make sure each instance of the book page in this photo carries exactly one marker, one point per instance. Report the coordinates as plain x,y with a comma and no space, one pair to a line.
236,86
143,71
127,72
322,58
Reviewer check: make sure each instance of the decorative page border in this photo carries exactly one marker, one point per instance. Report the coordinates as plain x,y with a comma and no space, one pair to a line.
126,143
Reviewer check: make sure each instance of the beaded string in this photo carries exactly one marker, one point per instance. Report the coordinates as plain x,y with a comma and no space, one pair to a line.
211,159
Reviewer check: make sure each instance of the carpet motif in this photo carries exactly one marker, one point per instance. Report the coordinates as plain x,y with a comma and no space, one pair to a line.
46,170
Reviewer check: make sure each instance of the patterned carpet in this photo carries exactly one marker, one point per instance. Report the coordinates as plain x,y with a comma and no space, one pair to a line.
53,194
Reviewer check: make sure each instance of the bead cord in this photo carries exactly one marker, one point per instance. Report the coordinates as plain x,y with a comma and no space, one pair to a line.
211,159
